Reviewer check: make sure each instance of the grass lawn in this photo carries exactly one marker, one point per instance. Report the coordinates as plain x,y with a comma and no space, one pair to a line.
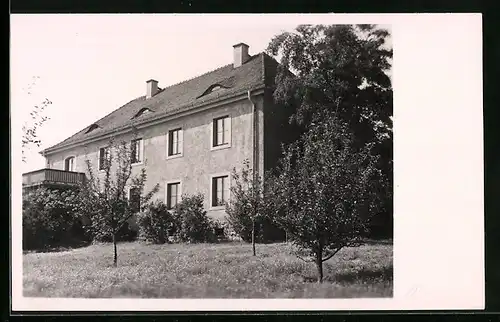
206,271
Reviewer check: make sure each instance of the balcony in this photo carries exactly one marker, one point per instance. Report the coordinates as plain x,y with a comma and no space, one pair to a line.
52,178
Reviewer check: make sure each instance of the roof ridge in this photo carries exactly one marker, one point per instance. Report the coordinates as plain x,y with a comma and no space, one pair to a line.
194,77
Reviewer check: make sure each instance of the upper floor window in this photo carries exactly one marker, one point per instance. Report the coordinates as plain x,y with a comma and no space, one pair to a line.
220,190
69,164
174,142
104,157
136,151
221,131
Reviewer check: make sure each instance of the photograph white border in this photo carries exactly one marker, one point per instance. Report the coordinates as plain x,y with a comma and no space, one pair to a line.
438,176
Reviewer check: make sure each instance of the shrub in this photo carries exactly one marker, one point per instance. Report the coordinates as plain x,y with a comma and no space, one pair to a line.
156,224
193,224
220,230
50,219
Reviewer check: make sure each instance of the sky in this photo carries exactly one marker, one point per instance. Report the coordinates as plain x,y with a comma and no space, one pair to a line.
89,65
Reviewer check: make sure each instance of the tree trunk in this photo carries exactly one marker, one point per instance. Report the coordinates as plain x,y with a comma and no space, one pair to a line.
115,257
253,237
319,266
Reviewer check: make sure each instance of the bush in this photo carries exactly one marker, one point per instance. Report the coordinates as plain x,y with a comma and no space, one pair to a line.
220,230
50,219
156,224
193,224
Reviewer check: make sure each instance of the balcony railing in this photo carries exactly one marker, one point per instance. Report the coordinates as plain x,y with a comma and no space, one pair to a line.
52,176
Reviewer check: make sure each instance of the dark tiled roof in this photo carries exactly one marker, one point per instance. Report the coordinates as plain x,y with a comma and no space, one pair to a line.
257,72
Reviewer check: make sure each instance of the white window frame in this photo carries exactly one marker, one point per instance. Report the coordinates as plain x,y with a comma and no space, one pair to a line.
141,148
216,175
74,163
212,126
180,139
179,192
99,156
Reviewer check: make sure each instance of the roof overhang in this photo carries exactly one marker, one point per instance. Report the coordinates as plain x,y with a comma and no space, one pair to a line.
181,111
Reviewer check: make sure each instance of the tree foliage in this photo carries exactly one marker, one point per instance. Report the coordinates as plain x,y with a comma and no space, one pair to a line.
341,69
105,197
247,210
31,126
323,194
50,219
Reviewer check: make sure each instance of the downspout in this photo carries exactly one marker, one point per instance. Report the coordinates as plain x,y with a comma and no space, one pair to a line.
254,161
254,136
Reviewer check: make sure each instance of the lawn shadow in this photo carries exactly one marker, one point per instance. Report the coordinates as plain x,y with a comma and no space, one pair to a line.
357,277
384,274
58,249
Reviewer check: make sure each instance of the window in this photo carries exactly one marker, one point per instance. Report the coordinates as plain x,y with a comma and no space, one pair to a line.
104,157
175,142
221,131
173,194
135,199
142,111
92,128
220,190
69,164
136,151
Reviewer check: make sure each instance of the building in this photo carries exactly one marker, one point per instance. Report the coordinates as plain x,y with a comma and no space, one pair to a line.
190,135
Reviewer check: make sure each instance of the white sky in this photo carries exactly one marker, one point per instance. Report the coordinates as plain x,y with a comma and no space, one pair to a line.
89,65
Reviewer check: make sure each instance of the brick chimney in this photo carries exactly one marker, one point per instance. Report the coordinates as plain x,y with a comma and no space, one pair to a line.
240,54
152,88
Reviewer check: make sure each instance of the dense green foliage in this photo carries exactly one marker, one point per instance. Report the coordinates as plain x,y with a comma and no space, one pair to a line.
338,176
191,220
247,211
50,219
156,223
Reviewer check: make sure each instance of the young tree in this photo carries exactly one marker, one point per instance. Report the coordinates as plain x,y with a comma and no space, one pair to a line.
323,193
341,69
247,204
30,127
105,200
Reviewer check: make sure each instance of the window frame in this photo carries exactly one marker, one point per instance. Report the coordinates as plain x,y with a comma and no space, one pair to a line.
213,177
214,130
129,196
99,156
71,157
141,150
180,142
168,197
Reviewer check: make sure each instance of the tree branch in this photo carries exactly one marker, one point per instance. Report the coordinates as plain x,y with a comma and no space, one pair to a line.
332,254
307,261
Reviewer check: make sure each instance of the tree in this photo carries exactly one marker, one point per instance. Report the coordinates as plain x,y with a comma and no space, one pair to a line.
247,205
37,118
105,201
341,69
323,193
